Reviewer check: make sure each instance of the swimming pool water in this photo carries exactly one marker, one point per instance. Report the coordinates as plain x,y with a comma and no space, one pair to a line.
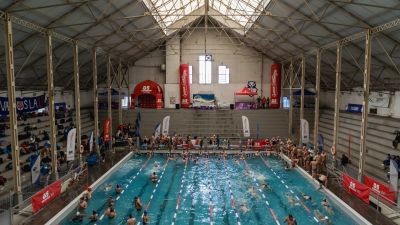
210,191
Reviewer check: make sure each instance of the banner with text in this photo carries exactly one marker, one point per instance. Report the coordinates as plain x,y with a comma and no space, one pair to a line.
382,189
305,131
24,104
46,195
165,125
356,188
246,126
71,144
184,85
275,86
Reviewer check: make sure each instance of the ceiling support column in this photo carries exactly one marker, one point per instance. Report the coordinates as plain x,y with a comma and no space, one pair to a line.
95,103
12,107
317,96
337,98
119,80
303,75
50,92
77,103
109,109
291,72
364,119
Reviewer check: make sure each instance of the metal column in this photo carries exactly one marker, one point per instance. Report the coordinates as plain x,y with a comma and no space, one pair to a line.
337,96
317,95
77,101
364,120
303,75
109,98
95,102
291,72
12,107
50,90
119,80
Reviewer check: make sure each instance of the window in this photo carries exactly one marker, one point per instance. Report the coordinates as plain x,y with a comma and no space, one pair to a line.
190,74
125,102
205,69
223,75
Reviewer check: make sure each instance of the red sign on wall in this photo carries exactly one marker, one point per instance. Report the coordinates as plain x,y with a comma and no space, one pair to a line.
184,85
106,129
380,188
356,188
46,195
275,97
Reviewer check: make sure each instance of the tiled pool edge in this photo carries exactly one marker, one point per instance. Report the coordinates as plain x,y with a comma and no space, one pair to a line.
72,205
350,211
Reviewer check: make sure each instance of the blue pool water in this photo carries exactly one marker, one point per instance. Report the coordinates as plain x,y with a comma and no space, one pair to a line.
211,191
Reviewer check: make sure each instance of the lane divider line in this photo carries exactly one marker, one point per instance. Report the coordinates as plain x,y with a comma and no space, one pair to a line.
231,194
178,201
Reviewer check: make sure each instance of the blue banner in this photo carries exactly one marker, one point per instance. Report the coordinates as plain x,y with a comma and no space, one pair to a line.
203,100
25,104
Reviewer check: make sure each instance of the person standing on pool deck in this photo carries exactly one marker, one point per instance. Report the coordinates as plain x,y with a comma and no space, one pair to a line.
290,220
138,204
131,220
145,218
154,177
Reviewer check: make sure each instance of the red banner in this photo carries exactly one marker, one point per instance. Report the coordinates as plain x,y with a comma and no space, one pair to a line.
106,129
159,101
46,195
184,85
356,188
380,188
275,97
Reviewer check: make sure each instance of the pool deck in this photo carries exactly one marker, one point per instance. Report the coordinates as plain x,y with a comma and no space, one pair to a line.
97,171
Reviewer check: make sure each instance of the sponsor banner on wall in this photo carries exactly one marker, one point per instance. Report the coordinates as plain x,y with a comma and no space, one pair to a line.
106,129
356,188
184,85
46,195
165,125
71,144
379,100
24,104
246,126
305,132
203,100
382,189
275,98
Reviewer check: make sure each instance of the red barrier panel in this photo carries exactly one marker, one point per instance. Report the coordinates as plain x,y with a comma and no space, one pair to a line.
275,97
46,195
106,129
356,188
184,85
380,188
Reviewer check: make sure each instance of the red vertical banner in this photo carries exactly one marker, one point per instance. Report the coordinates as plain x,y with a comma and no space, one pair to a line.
275,97
356,188
106,129
159,101
46,195
184,85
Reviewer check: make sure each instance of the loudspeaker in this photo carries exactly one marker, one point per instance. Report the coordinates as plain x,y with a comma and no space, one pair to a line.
177,106
232,106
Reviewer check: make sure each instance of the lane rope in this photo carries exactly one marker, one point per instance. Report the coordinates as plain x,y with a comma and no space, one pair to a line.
231,194
209,193
178,201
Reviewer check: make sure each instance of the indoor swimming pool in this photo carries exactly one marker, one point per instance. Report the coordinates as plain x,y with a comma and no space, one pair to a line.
212,190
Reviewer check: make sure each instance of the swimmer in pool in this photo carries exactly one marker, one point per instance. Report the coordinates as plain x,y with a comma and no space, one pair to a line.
236,162
266,186
110,202
78,217
154,177
243,207
305,197
145,218
242,157
290,220
253,192
321,217
131,220
138,204
118,189
325,204
156,164
290,200
82,203
108,187
94,217
111,212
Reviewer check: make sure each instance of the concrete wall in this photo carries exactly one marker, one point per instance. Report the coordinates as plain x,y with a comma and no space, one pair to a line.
245,64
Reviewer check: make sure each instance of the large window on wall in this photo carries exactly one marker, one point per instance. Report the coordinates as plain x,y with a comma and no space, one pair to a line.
191,74
223,75
205,68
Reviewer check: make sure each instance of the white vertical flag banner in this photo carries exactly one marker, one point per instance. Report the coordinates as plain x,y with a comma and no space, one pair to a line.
91,142
71,144
305,132
246,126
157,130
394,176
165,125
35,170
